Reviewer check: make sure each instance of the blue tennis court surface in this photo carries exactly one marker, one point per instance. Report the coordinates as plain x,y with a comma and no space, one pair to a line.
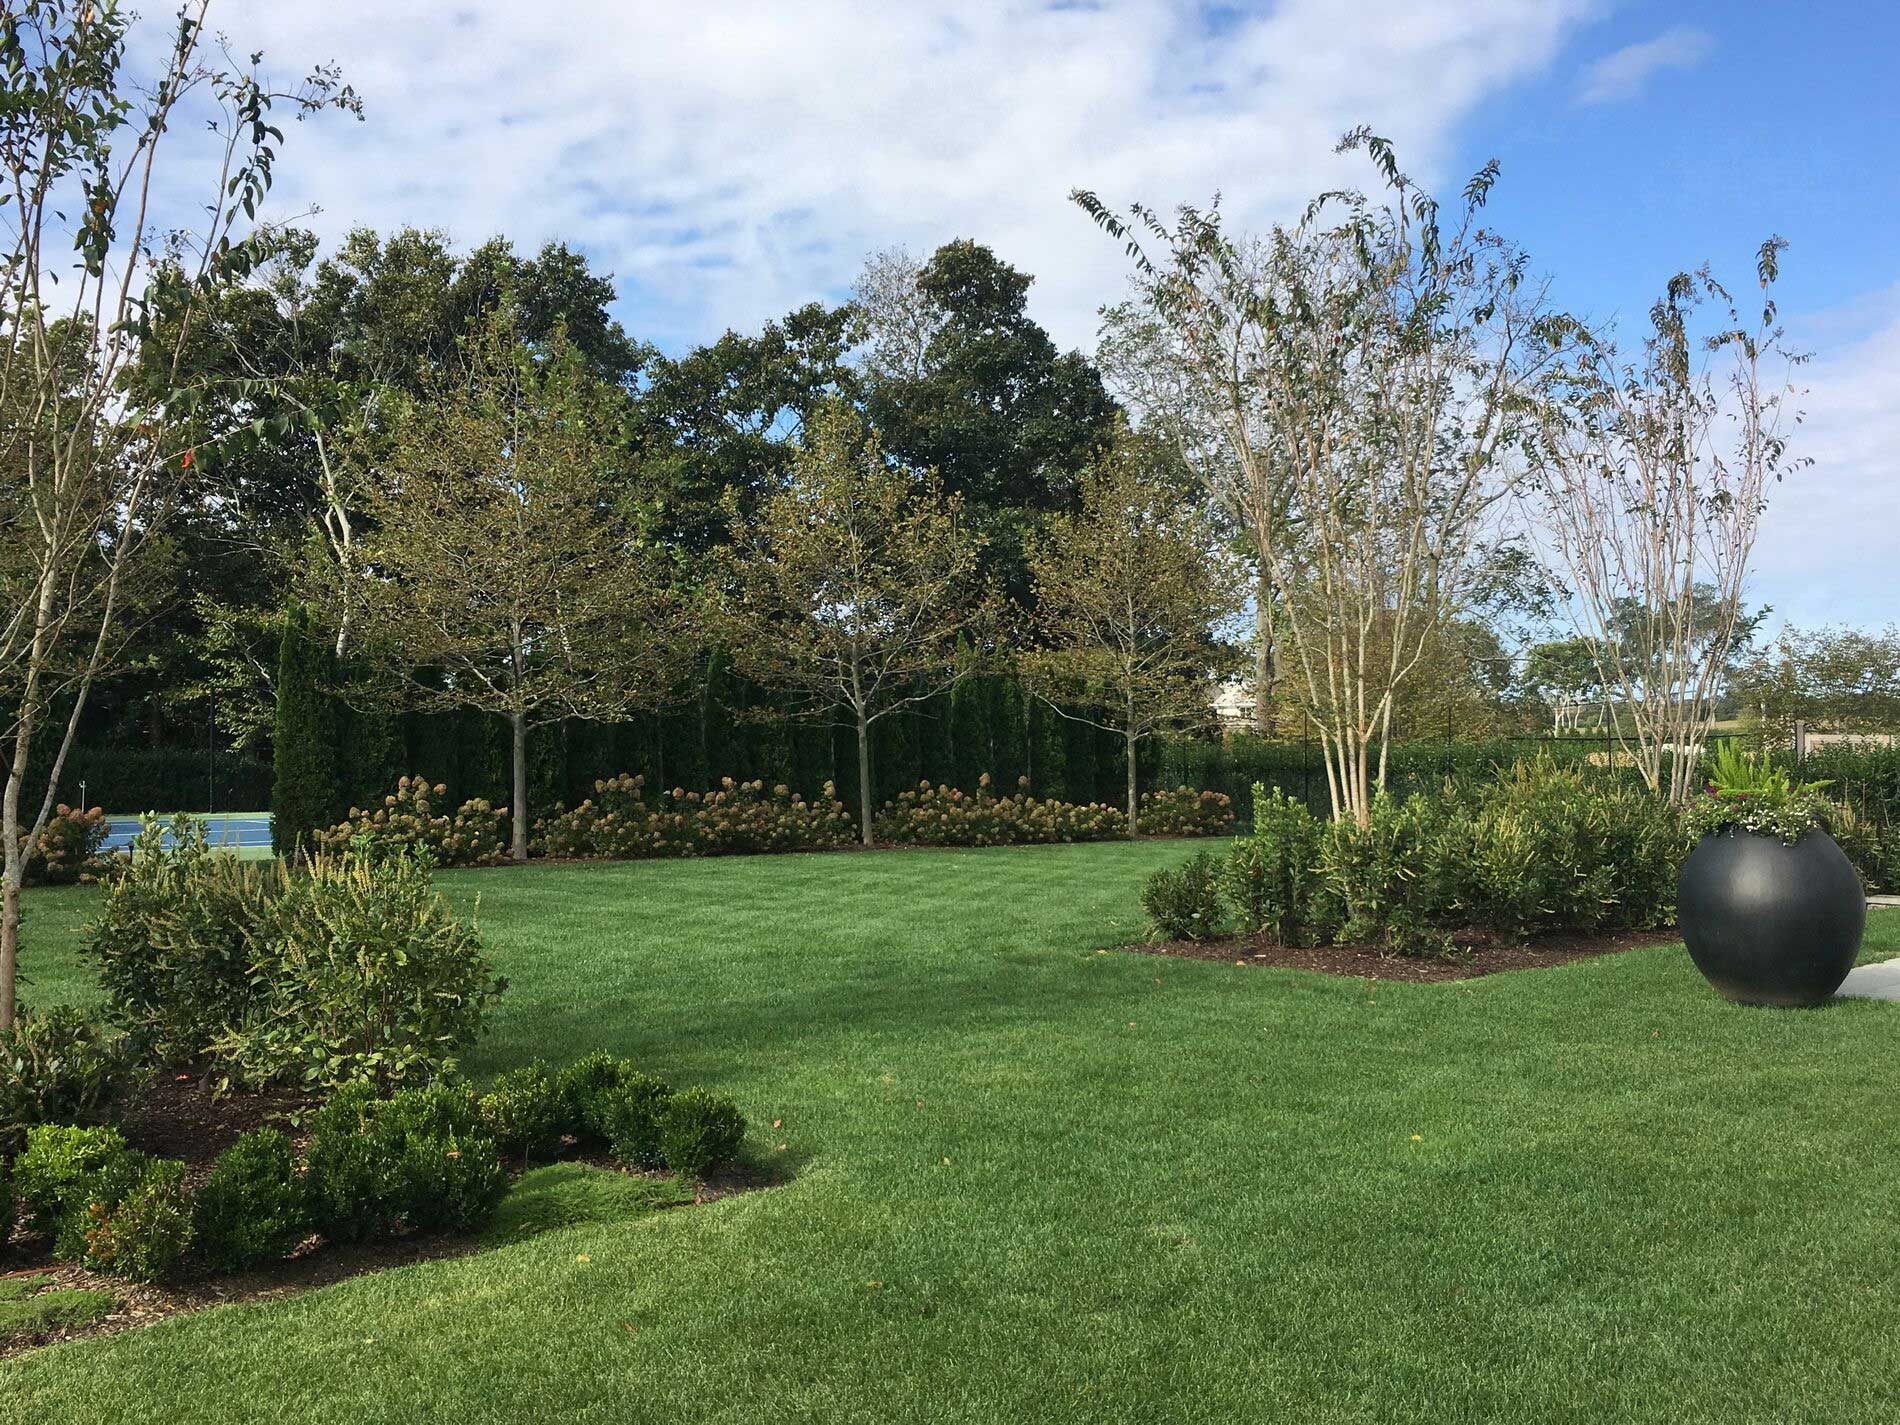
237,831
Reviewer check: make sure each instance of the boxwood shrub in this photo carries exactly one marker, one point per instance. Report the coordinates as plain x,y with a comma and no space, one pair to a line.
254,1207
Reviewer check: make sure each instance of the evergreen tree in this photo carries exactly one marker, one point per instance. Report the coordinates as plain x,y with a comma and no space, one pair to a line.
971,704
1009,735
306,790
1048,753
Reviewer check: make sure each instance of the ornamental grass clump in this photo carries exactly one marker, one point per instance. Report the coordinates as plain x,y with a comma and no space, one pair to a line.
476,835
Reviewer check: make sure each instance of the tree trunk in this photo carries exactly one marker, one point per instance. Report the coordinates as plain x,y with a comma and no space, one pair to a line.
1263,656
1134,795
10,929
520,725
864,777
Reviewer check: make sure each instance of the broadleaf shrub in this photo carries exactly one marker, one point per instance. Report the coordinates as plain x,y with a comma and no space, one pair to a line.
944,816
254,1206
478,834
142,1233
419,1159
622,820
1542,848
172,943
70,848
360,970
62,1168
588,1086
1184,902
699,1131
632,1114
1186,812
58,1067
527,1111
1273,878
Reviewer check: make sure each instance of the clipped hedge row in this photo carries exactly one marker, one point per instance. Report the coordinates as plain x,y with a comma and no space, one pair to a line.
131,780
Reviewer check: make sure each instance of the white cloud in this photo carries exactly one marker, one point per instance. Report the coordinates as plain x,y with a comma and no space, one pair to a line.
1830,542
1623,73
729,161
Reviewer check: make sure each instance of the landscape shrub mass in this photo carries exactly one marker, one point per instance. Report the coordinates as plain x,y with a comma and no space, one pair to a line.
477,835
1185,903
350,968
58,1067
255,1205
1186,812
622,821
69,848
944,816
1543,848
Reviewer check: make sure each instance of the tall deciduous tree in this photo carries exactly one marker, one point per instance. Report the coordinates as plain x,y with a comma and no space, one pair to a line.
1133,594
1368,368
963,381
853,585
89,404
1842,679
1653,475
507,571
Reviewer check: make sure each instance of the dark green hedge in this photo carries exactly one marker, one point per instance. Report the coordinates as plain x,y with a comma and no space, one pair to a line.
128,780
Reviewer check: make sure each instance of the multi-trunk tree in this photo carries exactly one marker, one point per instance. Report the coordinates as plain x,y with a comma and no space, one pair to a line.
1652,474
96,304
1367,371
853,586
505,570
1133,593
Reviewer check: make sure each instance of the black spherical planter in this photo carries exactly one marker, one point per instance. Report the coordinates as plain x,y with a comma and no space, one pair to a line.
1769,923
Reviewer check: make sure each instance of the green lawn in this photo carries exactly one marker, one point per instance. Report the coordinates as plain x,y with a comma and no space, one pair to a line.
1036,1183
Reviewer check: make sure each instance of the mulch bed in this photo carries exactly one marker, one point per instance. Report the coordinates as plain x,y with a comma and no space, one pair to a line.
177,1117
1475,955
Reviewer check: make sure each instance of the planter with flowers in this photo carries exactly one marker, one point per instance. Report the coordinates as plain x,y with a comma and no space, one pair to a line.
1771,909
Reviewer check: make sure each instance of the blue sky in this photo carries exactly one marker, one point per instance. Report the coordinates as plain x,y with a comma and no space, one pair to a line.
730,159
1760,118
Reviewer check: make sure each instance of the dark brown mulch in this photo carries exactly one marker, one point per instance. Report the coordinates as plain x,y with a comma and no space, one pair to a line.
1474,956
177,1116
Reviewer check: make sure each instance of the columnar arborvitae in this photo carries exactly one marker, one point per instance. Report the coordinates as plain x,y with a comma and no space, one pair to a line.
1009,733
972,705
306,791
1048,752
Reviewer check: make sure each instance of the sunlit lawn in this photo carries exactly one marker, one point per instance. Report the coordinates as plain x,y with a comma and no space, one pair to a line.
1038,1183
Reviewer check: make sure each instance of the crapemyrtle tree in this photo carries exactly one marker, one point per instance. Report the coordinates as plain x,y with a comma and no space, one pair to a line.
97,297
